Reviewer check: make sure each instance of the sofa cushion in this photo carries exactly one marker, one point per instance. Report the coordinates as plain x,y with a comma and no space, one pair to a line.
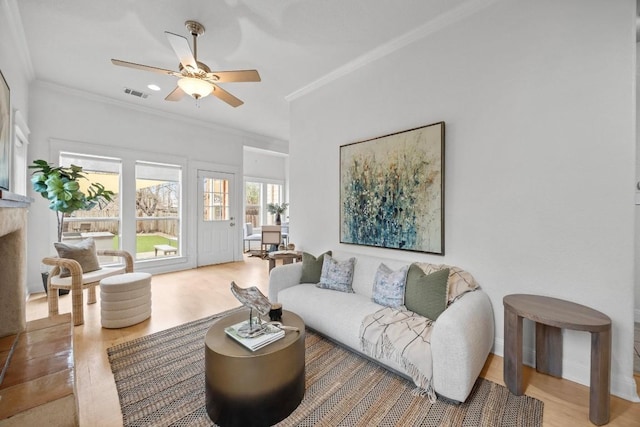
337,275
83,252
337,315
312,267
426,294
333,313
389,286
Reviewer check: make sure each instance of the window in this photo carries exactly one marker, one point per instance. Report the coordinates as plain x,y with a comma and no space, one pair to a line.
216,199
157,210
274,195
252,206
102,222
257,196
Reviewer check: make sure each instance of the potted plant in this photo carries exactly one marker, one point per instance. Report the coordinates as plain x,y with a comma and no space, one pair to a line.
60,185
277,209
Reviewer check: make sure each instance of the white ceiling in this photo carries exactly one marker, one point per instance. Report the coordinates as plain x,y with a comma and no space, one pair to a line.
292,43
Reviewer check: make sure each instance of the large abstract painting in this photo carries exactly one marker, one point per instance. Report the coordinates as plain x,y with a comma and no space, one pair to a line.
392,191
5,133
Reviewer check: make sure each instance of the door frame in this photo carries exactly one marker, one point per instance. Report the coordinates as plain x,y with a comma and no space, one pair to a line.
193,211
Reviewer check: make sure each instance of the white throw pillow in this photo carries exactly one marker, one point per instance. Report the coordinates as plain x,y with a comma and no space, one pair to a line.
337,275
389,286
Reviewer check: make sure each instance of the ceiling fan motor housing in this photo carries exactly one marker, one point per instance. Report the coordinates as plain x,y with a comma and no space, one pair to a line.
195,28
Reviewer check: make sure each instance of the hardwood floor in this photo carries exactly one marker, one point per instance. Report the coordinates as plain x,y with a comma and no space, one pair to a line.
193,294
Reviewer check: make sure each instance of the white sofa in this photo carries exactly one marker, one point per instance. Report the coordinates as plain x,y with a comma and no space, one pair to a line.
461,339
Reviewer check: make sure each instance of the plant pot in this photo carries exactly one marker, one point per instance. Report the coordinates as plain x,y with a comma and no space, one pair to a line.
278,219
45,277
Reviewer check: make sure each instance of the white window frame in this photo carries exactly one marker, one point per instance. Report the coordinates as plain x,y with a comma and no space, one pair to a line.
264,214
128,196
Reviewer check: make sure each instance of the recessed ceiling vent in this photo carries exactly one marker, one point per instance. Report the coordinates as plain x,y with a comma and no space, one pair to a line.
134,92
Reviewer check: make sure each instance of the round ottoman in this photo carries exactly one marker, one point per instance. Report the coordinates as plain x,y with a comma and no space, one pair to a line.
125,299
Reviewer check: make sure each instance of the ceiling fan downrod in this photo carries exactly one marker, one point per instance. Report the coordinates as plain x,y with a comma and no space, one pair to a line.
196,29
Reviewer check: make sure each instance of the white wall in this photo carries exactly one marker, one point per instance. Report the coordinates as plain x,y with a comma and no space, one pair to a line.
538,100
14,66
265,165
59,115
637,233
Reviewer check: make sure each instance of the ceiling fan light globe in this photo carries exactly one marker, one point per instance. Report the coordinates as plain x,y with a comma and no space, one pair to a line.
195,87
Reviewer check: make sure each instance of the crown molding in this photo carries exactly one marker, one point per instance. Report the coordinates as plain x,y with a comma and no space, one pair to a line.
442,21
265,151
66,90
9,8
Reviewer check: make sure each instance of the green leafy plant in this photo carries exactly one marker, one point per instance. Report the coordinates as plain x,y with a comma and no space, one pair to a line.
60,185
276,208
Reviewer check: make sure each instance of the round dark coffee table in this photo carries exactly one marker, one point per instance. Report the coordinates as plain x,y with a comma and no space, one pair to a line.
259,388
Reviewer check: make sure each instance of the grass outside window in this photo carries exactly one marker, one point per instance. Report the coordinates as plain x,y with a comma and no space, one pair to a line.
146,243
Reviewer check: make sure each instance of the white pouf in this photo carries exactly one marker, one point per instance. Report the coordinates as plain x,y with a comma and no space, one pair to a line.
125,299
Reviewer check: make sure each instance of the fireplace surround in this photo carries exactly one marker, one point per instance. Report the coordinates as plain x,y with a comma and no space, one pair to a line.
13,262
35,355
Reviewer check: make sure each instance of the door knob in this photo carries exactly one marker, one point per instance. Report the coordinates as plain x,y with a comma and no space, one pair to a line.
232,224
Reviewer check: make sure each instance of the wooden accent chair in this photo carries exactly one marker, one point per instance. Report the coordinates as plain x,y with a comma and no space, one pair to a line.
271,235
78,281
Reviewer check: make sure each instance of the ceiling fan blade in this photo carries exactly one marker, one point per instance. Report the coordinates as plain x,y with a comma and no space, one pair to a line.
144,67
226,96
175,95
180,46
233,76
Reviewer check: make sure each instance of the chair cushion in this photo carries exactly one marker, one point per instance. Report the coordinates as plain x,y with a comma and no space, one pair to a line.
83,252
91,277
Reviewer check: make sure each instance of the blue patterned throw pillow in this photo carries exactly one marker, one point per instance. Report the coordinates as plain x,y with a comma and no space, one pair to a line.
389,285
337,275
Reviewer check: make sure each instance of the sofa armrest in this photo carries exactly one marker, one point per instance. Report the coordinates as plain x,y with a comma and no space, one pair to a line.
460,343
282,277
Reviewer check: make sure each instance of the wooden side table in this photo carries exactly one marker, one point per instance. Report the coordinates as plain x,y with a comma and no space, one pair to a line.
287,257
551,315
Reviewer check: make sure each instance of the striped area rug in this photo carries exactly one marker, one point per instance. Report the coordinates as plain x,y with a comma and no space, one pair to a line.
160,382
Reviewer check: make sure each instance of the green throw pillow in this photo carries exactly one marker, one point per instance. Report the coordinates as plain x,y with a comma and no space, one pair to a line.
312,267
426,294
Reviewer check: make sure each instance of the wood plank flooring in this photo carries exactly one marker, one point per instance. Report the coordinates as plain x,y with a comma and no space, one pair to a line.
193,294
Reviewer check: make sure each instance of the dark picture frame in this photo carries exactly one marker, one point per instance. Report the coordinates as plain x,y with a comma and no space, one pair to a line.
5,133
392,191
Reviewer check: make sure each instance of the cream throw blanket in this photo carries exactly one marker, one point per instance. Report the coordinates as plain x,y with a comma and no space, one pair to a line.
402,336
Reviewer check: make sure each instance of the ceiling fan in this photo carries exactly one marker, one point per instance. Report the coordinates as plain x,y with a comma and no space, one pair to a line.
196,78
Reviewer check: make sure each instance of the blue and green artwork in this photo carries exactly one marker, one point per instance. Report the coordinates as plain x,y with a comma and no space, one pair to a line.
391,191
